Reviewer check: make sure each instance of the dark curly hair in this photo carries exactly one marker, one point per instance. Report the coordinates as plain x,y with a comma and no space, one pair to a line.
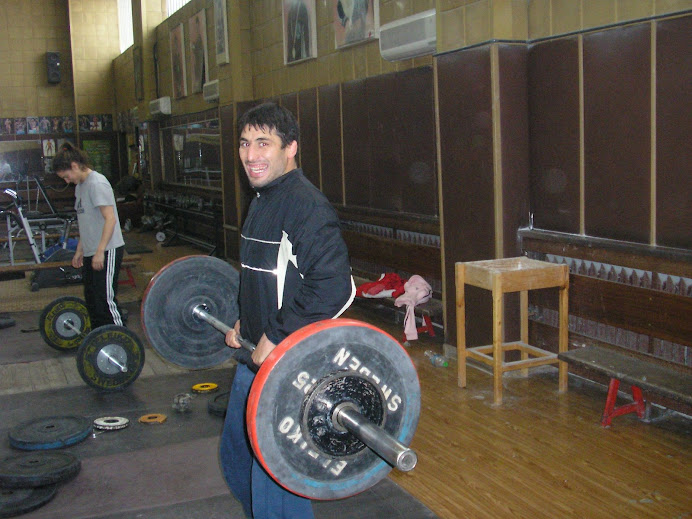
270,116
66,155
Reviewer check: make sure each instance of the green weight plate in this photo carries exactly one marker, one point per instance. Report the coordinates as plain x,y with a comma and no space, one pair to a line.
110,358
37,469
56,318
18,501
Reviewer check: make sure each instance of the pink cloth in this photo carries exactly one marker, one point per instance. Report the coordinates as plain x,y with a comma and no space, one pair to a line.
416,291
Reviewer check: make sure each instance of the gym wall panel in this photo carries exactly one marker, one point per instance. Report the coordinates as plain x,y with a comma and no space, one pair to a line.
514,114
466,141
229,154
330,142
673,141
402,142
553,91
357,165
309,141
617,133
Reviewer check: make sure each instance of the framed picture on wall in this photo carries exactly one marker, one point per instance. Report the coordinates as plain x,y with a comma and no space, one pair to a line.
300,30
221,31
355,21
178,74
198,51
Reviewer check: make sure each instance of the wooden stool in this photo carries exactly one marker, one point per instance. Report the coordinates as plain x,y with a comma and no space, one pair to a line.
510,275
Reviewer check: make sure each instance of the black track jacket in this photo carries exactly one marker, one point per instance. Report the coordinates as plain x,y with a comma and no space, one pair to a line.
294,262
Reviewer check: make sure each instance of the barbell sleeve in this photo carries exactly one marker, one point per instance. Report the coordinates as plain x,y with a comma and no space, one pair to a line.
383,444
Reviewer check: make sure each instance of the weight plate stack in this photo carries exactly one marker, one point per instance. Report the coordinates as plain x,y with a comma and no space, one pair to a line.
38,469
50,432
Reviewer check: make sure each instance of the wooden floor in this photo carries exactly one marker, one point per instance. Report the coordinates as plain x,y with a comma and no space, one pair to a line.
539,455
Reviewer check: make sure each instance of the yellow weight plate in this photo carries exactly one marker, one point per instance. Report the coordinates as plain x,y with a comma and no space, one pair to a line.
207,387
153,418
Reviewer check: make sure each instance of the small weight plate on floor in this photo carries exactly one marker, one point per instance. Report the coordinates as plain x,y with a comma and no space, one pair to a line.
20,501
111,423
218,404
283,405
52,323
206,387
167,318
38,469
50,432
110,358
154,418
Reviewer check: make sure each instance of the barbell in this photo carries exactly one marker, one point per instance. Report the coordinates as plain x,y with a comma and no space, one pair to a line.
109,358
332,408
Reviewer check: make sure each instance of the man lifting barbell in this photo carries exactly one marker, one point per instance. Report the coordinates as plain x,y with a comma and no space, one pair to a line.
295,271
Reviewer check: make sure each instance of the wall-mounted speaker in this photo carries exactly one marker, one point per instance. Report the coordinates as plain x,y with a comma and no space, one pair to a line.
53,67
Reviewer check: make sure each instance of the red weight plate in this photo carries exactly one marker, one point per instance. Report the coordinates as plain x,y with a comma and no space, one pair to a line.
279,431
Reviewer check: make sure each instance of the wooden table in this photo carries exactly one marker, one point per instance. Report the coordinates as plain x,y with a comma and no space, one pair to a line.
502,276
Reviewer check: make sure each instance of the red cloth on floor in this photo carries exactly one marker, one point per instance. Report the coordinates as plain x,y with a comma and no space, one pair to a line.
389,285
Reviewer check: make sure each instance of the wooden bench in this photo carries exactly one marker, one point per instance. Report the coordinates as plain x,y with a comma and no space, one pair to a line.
640,373
129,261
398,256
626,325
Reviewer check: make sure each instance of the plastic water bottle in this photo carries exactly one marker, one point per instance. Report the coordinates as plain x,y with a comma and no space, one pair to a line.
436,359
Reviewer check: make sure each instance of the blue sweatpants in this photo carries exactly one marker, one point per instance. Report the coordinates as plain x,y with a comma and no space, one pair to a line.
260,495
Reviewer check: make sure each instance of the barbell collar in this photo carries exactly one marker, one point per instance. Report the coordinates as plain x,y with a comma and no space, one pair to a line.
67,323
382,443
200,313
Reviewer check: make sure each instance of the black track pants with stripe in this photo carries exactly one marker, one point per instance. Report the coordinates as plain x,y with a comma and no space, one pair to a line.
101,289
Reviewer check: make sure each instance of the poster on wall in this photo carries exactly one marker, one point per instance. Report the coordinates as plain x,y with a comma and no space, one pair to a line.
198,51
6,126
300,30
178,74
137,70
355,21
99,152
221,31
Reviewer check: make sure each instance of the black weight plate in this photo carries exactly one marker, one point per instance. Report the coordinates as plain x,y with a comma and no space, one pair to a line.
218,404
282,389
18,501
38,469
104,351
167,319
50,432
51,323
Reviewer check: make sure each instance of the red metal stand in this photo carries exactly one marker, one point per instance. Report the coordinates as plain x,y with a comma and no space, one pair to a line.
130,280
611,411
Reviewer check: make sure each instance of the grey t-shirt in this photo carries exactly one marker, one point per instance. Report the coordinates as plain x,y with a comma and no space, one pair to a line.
91,194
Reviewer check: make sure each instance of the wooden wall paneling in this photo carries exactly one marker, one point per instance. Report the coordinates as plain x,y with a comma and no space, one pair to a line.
515,163
673,140
617,133
309,141
553,90
402,142
290,102
356,151
330,142
229,152
466,141
515,143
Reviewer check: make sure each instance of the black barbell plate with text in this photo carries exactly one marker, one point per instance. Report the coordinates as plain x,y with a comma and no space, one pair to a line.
167,306
283,387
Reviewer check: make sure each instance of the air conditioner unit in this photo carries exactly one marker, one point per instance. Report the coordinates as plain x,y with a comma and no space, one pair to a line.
409,37
160,106
210,91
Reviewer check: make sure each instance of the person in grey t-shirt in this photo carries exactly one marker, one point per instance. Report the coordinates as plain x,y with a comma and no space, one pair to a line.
101,245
